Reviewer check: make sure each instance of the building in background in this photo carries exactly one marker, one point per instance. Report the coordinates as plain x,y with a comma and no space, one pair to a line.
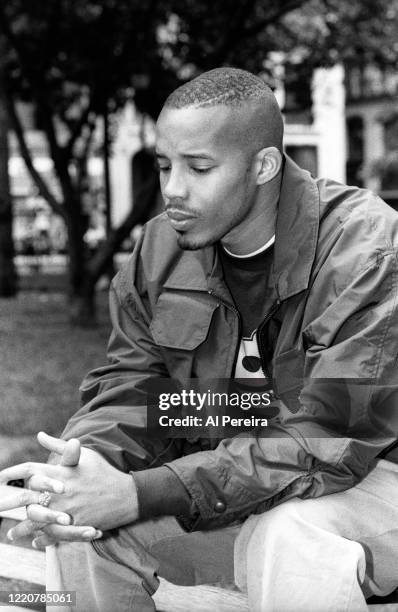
343,125
315,134
372,129
349,129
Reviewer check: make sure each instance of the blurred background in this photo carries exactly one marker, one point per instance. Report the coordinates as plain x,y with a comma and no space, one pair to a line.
81,83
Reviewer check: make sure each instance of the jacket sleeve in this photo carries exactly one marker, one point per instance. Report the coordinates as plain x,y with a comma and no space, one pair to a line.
347,413
112,419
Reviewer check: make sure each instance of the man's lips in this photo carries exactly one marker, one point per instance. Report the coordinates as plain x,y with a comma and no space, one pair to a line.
179,215
180,220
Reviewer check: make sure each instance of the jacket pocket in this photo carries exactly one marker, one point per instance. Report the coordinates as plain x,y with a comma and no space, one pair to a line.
288,372
181,320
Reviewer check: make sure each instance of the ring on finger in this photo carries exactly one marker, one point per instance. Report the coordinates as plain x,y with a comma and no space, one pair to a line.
44,498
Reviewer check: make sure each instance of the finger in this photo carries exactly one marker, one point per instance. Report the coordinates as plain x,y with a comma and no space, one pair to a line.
71,454
55,445
23,529
69,450
39,482
14,497
40,514
71,533
21,471
41,541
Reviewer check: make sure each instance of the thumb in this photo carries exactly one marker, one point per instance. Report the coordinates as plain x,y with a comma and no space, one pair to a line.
71,454
55,445
69,451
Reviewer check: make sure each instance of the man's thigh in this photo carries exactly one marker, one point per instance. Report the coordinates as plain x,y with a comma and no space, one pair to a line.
162,545
366,513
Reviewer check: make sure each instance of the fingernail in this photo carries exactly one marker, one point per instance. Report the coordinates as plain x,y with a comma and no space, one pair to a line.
98,534
90,533
63,520
10,535
34,544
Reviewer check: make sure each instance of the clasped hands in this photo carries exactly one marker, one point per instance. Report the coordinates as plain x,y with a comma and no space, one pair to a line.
88,495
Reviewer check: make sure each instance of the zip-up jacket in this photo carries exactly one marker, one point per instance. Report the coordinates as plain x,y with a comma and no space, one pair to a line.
333,363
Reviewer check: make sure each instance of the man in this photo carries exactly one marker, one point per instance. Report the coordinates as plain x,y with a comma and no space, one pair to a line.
254,270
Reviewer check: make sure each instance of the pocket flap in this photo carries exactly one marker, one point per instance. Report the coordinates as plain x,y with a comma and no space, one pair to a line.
181,320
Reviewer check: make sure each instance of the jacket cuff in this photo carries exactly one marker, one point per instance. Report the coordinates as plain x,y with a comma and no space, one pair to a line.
160,492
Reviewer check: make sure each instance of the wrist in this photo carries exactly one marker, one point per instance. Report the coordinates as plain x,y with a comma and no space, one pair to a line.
129,501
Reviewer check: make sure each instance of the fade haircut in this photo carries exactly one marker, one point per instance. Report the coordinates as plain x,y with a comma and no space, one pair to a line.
232,87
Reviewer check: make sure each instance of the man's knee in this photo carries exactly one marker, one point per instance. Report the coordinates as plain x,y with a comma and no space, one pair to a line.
62,560
279,523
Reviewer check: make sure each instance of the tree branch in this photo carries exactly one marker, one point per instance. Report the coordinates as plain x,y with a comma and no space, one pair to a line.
138,214
26,155
82,159
272,17
14,42
76,131
232,33
38,87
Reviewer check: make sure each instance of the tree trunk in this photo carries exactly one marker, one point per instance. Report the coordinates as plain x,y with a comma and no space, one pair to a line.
139,214
82,306
8,280
85,273
108,190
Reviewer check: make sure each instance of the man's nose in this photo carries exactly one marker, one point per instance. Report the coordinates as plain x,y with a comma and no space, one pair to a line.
175,186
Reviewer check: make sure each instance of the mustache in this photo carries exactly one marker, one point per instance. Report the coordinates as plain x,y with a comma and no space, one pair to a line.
179,206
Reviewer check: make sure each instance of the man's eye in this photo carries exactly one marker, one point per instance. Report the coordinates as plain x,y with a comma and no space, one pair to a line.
163,168
201,170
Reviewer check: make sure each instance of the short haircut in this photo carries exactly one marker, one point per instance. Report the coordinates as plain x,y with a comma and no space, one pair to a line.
231,87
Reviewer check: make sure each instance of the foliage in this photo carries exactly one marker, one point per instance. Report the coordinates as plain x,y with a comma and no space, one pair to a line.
76,60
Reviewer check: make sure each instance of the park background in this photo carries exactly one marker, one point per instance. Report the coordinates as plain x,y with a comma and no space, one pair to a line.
81,83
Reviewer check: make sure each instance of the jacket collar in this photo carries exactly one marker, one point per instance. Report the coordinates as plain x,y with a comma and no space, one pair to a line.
296,233
296,237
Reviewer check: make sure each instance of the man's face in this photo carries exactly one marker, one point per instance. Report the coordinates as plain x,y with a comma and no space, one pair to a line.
206,173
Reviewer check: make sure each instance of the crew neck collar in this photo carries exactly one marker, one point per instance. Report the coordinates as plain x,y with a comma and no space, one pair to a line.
263,248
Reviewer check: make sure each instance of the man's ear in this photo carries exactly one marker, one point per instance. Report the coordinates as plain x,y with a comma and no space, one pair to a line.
269,163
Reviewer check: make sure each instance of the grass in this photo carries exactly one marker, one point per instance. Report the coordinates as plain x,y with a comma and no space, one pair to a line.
42,362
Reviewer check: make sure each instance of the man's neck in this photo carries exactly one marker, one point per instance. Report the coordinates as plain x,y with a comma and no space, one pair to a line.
259,228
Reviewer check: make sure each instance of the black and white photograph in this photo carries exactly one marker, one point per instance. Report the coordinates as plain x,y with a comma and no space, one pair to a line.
199,305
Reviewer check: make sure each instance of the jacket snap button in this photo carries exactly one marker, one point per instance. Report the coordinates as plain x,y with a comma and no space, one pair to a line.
219,507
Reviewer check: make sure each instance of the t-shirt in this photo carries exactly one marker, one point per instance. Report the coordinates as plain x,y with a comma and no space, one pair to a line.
249,280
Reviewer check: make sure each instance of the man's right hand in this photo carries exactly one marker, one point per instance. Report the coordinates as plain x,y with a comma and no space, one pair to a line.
42,522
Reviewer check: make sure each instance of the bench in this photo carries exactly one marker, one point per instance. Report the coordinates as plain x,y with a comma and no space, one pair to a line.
23,568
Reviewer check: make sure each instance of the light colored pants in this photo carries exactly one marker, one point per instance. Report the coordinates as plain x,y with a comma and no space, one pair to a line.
319,555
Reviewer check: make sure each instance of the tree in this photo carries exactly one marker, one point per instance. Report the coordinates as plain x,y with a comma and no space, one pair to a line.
72,59
8,285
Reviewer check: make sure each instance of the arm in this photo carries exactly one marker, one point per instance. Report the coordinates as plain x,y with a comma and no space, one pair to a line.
112,420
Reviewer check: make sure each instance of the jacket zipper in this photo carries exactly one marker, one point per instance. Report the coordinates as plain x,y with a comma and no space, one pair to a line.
272,310
264,366
236,311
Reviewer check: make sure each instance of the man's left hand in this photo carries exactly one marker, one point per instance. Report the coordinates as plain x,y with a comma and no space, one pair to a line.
95,493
